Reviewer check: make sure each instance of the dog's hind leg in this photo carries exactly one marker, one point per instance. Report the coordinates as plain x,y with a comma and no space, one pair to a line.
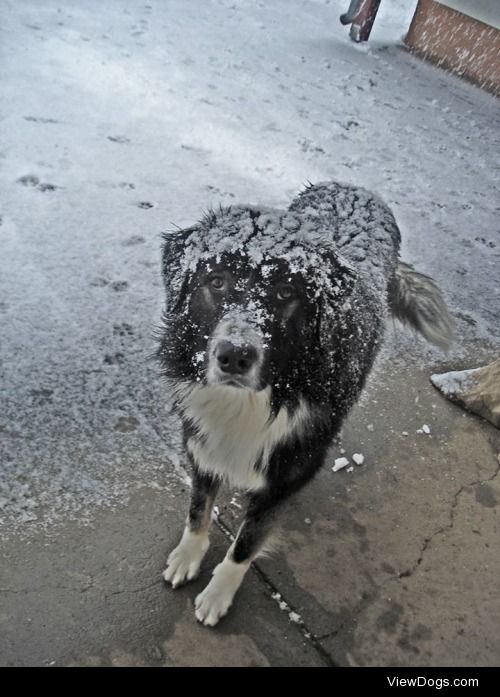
184,561
214,602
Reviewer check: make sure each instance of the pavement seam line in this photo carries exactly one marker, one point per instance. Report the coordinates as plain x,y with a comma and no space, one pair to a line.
83,589
301,626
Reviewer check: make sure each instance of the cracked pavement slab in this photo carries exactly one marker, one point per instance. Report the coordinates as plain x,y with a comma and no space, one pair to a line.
94,596
396,563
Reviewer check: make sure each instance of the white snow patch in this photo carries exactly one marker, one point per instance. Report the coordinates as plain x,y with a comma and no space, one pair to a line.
340,463
281,603
454,382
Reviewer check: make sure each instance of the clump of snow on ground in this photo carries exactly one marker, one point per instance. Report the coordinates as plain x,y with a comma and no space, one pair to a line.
340,463
283,605
454,382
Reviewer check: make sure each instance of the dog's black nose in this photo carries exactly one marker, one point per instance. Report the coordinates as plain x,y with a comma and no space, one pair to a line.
235,360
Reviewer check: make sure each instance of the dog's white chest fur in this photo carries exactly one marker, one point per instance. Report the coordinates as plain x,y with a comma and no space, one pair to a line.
235,432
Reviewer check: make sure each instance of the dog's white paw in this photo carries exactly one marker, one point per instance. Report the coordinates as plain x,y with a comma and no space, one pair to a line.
214,602
184,561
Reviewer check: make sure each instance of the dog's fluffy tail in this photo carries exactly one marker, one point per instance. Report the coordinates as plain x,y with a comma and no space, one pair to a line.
415,299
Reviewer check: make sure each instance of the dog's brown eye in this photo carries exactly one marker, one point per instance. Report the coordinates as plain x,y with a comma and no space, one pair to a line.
285,291
217,282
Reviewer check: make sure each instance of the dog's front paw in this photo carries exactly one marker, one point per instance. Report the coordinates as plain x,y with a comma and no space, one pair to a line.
211,605
214,602
184,561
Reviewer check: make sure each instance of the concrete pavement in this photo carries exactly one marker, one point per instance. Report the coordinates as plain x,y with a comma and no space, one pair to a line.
121,120
395,563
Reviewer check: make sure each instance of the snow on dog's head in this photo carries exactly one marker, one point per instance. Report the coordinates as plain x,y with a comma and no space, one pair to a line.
255,298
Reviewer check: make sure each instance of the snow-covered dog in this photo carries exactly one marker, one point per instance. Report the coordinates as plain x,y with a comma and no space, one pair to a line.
272,322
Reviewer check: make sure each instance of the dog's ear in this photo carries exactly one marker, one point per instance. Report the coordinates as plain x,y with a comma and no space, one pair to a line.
175,276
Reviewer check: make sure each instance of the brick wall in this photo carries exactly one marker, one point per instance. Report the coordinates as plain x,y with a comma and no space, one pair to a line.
457,42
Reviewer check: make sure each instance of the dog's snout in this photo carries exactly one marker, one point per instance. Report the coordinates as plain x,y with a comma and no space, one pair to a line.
235,360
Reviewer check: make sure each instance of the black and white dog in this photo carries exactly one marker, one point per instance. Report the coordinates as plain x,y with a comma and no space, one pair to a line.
272,323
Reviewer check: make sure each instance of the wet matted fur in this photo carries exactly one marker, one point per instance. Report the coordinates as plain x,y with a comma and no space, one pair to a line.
273,320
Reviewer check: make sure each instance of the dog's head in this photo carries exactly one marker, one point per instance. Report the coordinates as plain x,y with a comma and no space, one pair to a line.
253,298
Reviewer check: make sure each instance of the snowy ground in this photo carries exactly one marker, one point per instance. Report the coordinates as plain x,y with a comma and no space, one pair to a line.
120,120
